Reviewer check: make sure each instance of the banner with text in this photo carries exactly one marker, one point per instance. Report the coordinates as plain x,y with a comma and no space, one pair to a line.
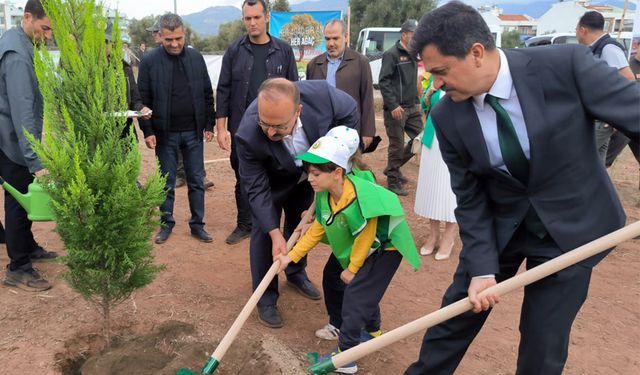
302,30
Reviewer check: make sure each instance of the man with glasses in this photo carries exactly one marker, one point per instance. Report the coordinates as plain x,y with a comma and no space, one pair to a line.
284,120
248,62
21,109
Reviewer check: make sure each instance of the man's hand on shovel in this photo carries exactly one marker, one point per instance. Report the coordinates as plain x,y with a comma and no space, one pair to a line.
477,285
278,244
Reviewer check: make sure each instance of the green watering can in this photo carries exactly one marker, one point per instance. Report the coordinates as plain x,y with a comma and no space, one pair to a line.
36,202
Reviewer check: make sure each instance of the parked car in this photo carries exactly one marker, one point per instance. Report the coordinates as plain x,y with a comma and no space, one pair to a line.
557,38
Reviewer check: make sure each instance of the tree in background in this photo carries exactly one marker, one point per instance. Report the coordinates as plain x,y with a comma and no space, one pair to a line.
303,32
103,217
138,31
227,33
511,39
387,13
279,6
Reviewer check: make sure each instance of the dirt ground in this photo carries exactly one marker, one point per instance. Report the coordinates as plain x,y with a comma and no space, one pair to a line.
179,319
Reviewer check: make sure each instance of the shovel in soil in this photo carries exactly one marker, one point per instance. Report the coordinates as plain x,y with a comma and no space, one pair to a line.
228,339
564,261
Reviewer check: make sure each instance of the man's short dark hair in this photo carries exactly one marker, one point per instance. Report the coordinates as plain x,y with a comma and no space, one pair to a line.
35,8
254,2
452,28
592,20
170,21
280,86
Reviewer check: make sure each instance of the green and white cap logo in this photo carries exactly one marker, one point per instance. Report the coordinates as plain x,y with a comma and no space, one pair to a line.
328,149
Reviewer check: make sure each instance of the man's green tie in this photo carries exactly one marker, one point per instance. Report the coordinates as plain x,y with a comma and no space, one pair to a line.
515,160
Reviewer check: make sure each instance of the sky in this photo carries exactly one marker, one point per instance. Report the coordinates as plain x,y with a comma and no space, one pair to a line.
141,8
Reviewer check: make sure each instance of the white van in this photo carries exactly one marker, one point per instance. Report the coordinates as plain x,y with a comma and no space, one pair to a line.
372,42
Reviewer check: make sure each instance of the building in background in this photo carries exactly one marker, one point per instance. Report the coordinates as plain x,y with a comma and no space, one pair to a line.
525,25
123,22
563,16
10,16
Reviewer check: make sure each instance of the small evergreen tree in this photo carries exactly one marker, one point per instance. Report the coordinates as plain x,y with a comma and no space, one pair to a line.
104,219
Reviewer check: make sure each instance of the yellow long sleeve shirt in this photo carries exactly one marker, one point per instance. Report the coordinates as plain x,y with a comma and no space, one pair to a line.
361,244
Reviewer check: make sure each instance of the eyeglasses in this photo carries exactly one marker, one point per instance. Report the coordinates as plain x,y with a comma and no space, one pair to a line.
280,127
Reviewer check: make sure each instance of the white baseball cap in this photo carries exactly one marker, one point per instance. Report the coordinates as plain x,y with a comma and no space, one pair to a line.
328,149
347,135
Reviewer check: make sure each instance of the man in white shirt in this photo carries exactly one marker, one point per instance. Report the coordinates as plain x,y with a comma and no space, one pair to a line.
515,130
590,32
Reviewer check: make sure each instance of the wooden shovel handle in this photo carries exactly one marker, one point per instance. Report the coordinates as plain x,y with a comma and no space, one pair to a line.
230,336
559,263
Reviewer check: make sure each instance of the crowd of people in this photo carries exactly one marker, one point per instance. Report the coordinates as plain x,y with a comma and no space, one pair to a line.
511,159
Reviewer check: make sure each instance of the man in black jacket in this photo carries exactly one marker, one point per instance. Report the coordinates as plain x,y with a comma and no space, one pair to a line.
248,62
402,114
175,84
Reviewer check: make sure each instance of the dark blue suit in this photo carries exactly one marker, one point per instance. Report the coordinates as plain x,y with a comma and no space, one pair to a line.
561,90
271,178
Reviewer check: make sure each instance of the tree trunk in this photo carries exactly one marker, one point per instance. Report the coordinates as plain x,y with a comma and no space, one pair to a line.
301,53
106,321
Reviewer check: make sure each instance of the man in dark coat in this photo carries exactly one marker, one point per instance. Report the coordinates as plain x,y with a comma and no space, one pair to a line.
349,71
174,82
282,122
516,132
249,61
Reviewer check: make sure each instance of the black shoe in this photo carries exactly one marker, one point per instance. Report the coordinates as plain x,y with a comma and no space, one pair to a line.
180,182
163,235
26,279
237,235
42,255
398,189
305,288
208,184
270,316
403,180
201,235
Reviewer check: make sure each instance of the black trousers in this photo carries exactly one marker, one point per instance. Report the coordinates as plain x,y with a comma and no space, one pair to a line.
399,152
243,219
260,247
356,306
2,240
18,235
548,311
617,143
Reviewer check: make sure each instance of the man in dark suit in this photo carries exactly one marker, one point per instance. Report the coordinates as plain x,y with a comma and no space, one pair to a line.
284,120
516,132
348,71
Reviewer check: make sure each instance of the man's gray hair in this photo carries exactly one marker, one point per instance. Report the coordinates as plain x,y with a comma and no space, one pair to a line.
338,22
170,21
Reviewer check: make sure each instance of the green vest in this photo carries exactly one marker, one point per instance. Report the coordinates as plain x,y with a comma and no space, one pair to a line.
371,201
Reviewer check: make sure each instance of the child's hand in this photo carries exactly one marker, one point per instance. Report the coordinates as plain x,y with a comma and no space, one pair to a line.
347,276
284,262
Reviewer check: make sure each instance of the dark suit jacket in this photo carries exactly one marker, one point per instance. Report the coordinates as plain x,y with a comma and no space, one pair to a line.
267,170
561,89
354,78
155,81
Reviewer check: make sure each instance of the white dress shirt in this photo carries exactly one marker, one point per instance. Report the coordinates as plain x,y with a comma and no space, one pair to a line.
297,143
505,91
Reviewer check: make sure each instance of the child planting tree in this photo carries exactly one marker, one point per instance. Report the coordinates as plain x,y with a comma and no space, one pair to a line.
103,217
